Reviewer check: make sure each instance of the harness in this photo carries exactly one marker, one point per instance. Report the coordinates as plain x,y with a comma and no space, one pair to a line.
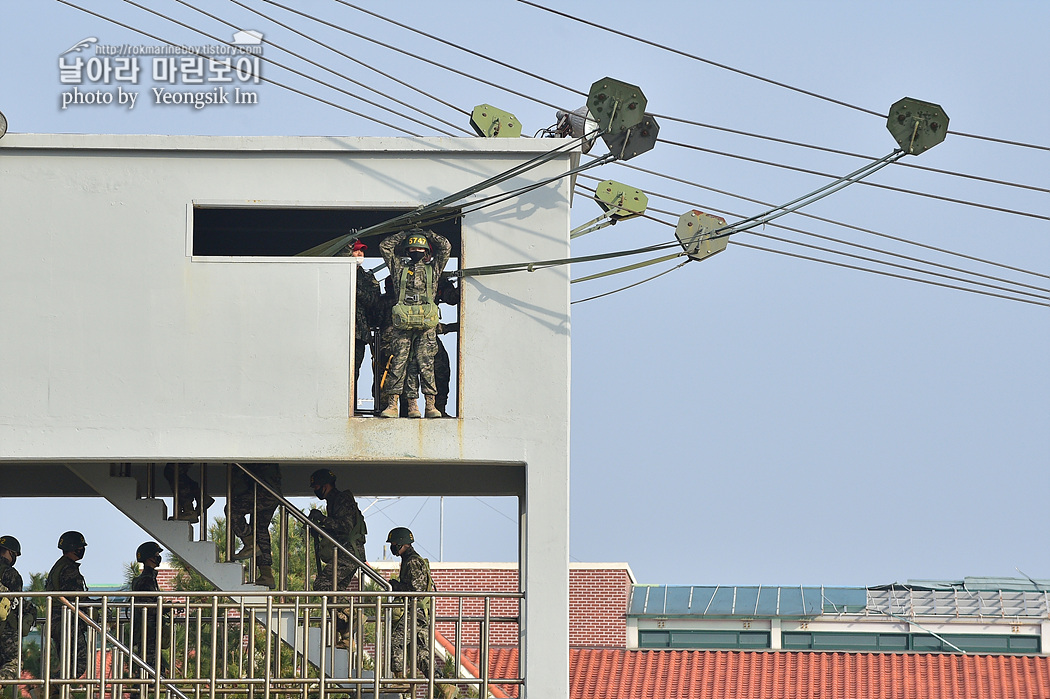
421,314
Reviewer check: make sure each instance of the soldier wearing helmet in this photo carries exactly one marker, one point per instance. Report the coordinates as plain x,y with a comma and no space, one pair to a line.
17,615
144,622
65,577
414,576
342,520
414,277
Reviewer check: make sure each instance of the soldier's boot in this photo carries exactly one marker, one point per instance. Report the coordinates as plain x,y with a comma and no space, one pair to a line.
392,404
441,403
412,407
248,550
431,410
187,513
264,576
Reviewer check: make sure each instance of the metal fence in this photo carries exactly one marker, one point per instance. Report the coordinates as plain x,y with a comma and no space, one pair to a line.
307,644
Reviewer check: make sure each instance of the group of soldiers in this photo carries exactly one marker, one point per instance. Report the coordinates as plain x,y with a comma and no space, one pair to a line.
410,358
250,512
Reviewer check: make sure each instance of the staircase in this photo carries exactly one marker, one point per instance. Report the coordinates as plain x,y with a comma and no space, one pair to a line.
203,557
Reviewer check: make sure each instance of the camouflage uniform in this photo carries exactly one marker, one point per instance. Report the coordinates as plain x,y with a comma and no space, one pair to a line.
10,639
365,317
414,577
344,522
65,576
146,581
188,490
404,343
244,500
366,313
446,293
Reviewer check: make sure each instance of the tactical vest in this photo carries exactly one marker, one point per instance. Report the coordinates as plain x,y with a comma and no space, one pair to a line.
416,316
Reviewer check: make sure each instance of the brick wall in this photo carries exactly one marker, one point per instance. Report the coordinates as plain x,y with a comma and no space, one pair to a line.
598,606
598,597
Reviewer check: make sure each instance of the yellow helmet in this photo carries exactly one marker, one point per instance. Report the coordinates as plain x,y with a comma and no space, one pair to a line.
417,240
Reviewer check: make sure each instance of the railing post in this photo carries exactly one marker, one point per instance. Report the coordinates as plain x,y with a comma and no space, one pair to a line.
214,643
283,544
202,510
483,650
229,512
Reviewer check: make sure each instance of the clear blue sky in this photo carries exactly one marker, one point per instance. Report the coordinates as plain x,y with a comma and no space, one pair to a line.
754,418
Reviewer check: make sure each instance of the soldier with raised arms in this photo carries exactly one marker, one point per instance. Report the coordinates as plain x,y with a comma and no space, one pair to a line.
415,259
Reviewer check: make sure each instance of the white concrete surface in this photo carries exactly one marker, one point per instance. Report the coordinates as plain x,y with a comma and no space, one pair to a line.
119,346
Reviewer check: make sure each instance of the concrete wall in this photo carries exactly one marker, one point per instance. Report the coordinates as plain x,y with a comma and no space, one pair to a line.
120,346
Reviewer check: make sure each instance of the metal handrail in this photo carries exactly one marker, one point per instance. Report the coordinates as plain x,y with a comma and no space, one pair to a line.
207,619
316,531
113,641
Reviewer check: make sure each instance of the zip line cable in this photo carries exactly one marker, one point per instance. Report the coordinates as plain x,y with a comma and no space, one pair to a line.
427,211
888,274
326,68
268,80
821,249
870,184
761,78
850,154
830,262
359,62
684,145
460,47
631,286
725,231
831,221
281,65
667,117
818,194
410,54
701,59
496,198
834,240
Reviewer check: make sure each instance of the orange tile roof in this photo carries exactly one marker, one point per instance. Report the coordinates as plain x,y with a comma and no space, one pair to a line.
503,664
697,674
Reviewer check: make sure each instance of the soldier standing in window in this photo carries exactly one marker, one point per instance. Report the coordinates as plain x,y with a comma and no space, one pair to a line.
414,316
367,306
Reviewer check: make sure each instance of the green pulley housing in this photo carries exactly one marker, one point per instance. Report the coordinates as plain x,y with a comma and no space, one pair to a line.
490,122
917,126
636,140
694,232
615,105
619,200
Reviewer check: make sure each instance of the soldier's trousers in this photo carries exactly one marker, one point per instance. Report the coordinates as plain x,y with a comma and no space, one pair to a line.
76,658
442,377
241,507
404,345
398,646
9,645
146,644
188,489
359,357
